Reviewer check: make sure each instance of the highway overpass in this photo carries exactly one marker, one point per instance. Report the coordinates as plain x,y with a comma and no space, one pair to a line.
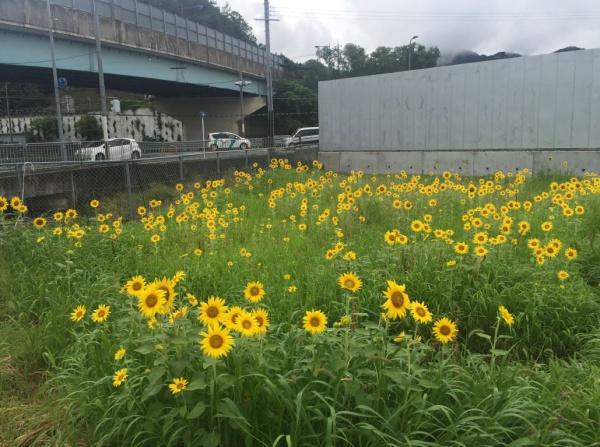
190,68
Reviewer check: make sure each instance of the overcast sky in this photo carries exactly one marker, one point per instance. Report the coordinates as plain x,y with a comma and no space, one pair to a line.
485,26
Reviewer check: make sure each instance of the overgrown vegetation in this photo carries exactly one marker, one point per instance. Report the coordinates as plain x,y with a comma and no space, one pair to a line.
394,310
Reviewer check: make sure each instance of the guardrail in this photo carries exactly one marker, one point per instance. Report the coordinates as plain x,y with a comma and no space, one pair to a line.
121,149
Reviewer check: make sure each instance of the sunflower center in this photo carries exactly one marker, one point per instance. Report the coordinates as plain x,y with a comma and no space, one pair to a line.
167,292
315,322
254,290
445,330
420,311
101,313
397,298
212,311
247,324
79,313
260,321
151,300
137,286
349,283
216,341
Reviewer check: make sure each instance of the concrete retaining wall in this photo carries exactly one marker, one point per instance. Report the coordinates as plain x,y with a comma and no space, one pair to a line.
476,163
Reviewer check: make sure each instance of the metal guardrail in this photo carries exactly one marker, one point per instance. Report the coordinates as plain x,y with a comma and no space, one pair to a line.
119,150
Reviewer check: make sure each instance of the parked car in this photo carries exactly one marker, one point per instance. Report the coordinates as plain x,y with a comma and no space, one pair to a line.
119,149
303,136
227,140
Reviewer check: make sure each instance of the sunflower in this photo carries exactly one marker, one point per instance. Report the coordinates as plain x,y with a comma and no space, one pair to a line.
3,204
141,210
480,238
135,285
78,313
178,385
155,238
400,337
350,281
39,222
212,310
480,251
398,301
70,214
167,286
15,202
178,277
445,330
315,321
261,316
420,312
119,377
151,300
230,319
546,226
461,248
563,275
570,253
254,291
100,314
216,341
246,324
506,315
416,226
533,243
120,353
58,216
94,204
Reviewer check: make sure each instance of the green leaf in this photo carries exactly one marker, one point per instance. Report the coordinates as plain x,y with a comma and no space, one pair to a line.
197,383
210,440
151,391
197,410
156,374
145,349
499,352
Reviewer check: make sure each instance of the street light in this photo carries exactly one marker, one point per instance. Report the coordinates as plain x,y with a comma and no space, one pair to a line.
241,84
410,43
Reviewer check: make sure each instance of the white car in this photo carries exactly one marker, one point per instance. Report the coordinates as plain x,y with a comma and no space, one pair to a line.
303,136
119,149
227,140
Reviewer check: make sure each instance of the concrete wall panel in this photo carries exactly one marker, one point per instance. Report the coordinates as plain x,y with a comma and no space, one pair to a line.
540,102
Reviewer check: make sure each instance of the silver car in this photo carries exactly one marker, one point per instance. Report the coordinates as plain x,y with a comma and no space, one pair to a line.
303,137
118,149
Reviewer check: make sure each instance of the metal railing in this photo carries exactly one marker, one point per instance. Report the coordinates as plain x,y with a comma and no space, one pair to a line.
123,149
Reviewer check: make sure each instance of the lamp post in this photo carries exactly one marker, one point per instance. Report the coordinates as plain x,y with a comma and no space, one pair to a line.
410,45
241,84
59,122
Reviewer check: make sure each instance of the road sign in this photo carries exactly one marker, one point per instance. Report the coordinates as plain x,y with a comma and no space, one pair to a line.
203,114
62,82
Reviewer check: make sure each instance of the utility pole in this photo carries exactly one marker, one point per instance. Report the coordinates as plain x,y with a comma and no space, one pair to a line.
241,84
59,123
101,79
10,127
269,75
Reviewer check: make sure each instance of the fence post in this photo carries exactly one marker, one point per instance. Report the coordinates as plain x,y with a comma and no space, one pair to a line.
218,165
18,178
73,190
129,193
246,153
181,168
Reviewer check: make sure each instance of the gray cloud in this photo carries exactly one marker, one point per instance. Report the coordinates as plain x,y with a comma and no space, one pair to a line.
527,26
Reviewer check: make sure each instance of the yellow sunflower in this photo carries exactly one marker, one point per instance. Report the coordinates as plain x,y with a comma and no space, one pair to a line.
178,385
506,315
398,301
119,377
246,324
315,321
78,313
120,353
3,204
212,310
480,251
461,248
151,300
167,286
445,330
350,281
254,291
570,253
101,313
261,316
230,319
563,275
39,222
216,341
420,312
94,203
135,285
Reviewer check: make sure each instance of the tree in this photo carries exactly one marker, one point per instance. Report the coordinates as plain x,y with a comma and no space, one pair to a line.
43,129
89,128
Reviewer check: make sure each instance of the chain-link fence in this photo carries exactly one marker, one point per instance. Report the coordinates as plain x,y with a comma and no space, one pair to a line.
125,183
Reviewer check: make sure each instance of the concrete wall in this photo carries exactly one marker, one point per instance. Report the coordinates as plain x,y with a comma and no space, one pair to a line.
129,124
540,102
467,162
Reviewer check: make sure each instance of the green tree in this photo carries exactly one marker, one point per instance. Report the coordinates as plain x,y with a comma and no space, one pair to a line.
43,129
88,128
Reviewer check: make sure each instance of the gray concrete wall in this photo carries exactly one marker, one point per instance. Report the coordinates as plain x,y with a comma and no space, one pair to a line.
540,102
467,162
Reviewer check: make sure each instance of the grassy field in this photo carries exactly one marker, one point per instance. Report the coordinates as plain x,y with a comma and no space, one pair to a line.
291,306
